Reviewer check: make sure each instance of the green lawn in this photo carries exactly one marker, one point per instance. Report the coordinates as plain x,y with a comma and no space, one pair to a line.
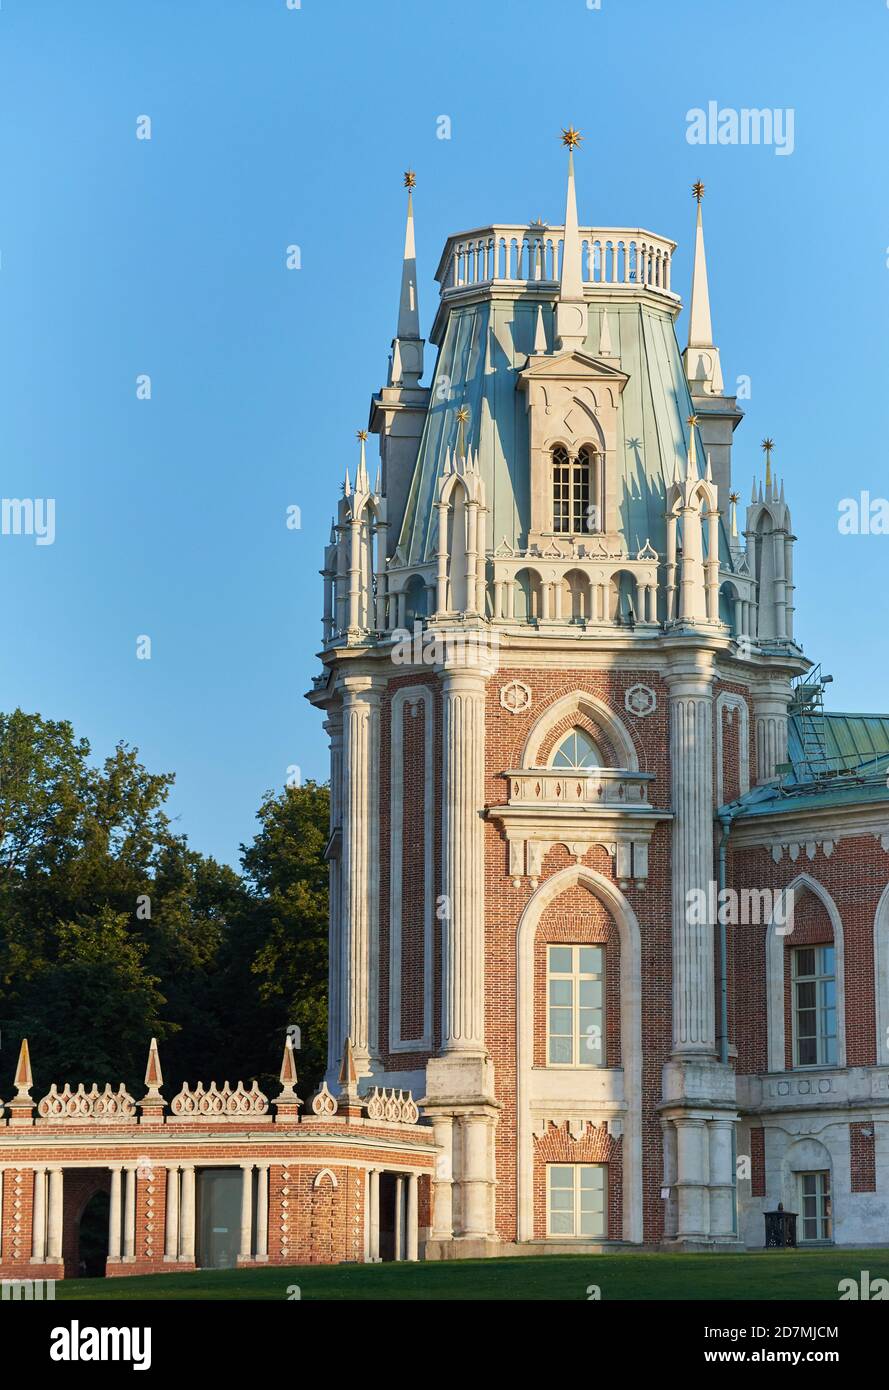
773,1275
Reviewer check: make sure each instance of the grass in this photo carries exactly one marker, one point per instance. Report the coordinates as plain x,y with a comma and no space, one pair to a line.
766,1275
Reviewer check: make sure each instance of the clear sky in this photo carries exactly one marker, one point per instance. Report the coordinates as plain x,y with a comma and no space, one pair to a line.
274,126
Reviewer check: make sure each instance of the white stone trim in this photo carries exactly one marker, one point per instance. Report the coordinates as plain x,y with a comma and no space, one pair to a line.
631,1044
410,695
775,961
728,699
577,702
881,977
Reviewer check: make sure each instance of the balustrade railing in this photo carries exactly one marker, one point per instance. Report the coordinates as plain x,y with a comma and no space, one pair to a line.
531,254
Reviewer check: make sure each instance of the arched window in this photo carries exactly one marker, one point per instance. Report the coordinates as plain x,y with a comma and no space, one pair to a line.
577,750
572,483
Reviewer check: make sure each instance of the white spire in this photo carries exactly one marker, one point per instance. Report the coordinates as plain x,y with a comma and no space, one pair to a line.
407,346
571,310
702,365
539,333
361,481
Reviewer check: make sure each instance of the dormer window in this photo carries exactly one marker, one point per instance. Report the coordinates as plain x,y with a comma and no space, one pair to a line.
577,750
572,484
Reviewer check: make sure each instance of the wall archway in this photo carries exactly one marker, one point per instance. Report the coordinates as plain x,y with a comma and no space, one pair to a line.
631,1039
881,978
580,702
776,957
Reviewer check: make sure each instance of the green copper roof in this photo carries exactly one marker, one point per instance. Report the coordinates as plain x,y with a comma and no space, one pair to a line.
485,346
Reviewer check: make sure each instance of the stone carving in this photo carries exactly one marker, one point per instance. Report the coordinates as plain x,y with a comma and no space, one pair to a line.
323,1103
640,700
216,1103
87,1105
398,1107
515,696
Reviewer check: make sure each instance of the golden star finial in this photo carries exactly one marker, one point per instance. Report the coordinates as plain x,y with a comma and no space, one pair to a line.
463,415
734,497
410,178
361,434
768,445
698,190
692,421
571,138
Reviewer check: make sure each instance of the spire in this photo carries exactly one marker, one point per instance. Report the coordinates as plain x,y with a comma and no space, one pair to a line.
691,470
734,498
767,447
462,421
361,481
407,345
349,1099
701,357
154,1077
23,1078
287,1101
539,333
571,310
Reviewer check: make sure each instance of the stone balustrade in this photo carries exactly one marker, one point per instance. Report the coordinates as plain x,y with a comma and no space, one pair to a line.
531,253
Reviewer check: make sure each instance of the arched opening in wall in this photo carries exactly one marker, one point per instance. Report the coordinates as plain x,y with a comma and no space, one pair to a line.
729,608
528,596
218,1193
576,596
415,601
388,1195
624,603
92,1236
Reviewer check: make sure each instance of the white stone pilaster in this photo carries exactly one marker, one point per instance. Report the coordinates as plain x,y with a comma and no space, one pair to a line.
770,723
399,1218
129,1215
38,1218
360,867
187,1215
412,1219
246,1251
463,877
114,1215
374,1222
54,1225
691,762
262,1213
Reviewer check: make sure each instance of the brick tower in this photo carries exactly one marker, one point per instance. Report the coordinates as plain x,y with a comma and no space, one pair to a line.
548,660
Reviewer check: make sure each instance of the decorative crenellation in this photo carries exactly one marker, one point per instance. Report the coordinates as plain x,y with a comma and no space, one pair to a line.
221,1103
106,1105
397,1107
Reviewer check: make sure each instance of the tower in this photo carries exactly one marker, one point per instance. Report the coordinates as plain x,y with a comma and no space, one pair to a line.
545,649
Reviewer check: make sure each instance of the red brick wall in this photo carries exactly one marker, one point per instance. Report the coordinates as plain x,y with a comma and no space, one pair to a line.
577,918
595,1145
864,1157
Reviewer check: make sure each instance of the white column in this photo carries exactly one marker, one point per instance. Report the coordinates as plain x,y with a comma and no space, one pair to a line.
443,1182
56,1199
770,722
381,576
476,1185
471,555
463,876
38,1218
691,761
114,1216
354,575
399,1217
413,1209
186,1216
129,1215
360,865
441,589
336,1031
262,1213
692,1193
374,1194
721,1178
171,1217
246,1251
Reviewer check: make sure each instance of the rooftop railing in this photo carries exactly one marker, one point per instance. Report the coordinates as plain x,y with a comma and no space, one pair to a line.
531,254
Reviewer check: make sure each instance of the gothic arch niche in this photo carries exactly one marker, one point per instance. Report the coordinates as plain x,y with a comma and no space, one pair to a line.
528,596
622,1093
881,978
588,711
732,734
776,967
803,1156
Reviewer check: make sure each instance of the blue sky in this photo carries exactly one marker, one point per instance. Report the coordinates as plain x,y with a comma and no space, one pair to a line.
274,126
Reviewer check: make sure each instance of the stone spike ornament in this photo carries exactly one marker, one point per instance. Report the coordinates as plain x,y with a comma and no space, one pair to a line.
361,480
24,1079
406,364
701,357
571,309
287,1099
539,334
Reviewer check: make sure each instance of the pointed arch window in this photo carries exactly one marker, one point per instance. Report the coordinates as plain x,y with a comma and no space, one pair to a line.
573,482
577,750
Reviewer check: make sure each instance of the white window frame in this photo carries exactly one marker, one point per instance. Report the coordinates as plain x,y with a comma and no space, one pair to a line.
576,976
824,1215
819,979
577,1190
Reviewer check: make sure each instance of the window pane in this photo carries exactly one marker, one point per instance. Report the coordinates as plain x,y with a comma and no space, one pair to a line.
805,962
591,960
561,1175
560,960
560,1051
826,965
560,993
805,995
808,1052
590,994
561,1223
